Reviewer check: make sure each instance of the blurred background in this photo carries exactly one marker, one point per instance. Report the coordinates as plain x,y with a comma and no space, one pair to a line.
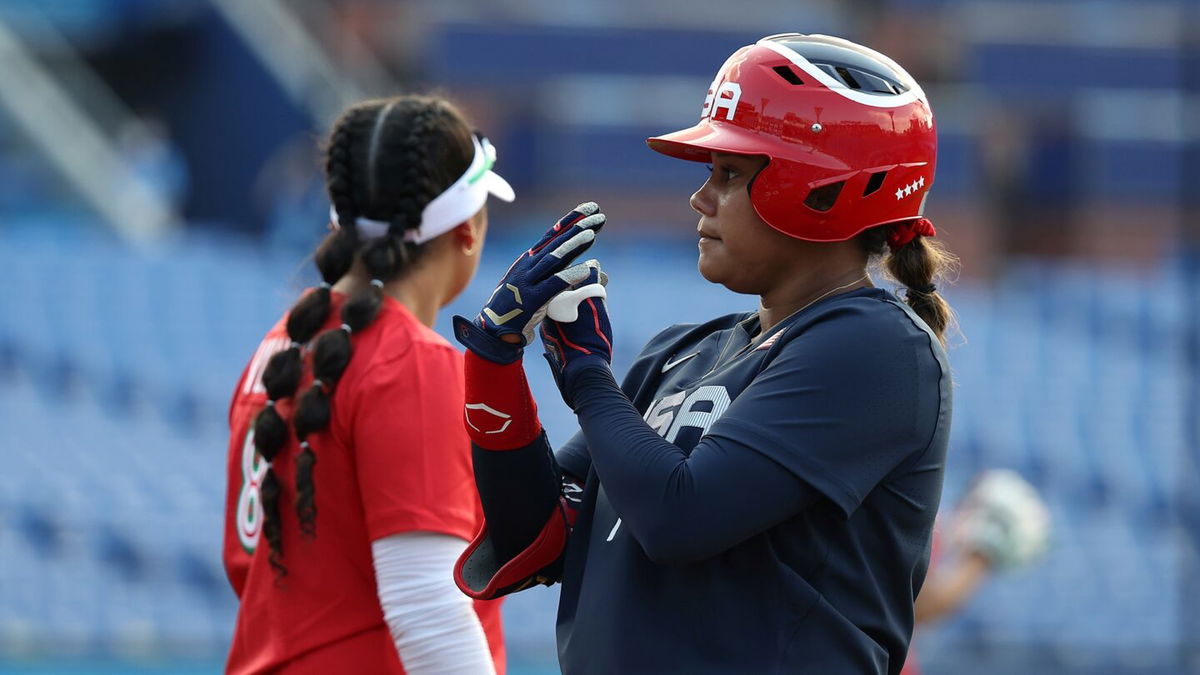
161,192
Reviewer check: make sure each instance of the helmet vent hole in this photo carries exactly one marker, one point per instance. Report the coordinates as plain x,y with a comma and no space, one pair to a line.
824,197
848,78
875,182
862,80
788,74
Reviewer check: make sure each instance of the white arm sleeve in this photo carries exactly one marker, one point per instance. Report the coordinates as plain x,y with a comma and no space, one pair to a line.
433,624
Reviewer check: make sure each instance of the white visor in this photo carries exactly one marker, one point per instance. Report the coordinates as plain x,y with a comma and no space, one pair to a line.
453,206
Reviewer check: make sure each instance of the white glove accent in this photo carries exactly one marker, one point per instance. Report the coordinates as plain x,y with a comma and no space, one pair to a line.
1003,518
572,275
564,307
433,624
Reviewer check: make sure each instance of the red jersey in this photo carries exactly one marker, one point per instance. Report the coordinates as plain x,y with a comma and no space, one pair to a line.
395,458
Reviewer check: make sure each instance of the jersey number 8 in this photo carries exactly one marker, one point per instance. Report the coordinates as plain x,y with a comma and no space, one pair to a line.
249,505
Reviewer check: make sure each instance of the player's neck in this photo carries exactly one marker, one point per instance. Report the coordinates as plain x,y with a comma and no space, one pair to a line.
420,297
422,291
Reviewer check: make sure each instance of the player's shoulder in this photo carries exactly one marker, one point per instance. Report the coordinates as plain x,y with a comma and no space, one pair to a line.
278,329
869,319
396,356
400,335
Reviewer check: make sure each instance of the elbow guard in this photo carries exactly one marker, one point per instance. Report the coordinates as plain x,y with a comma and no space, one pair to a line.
480,574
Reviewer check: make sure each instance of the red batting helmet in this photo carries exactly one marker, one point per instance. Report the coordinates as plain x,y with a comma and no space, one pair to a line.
848,134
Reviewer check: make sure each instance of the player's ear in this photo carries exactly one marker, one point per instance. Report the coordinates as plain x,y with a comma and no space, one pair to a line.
470,233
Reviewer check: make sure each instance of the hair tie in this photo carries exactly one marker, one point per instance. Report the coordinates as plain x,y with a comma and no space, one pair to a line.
319,384
304,444
377,283
270,403
927,289
903,233
325,285
295,345
346,327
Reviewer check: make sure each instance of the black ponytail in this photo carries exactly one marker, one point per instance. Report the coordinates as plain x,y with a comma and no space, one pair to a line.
919,265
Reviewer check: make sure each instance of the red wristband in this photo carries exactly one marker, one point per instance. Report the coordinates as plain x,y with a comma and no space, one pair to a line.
500,412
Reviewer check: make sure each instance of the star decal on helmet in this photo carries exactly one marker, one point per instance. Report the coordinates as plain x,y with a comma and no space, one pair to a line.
912,187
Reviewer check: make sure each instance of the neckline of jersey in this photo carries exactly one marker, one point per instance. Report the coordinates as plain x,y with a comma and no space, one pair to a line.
785,322
387,301
751,342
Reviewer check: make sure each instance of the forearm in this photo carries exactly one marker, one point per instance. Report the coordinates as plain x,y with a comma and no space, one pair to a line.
525,521
679,507
519,490
434,627
515,472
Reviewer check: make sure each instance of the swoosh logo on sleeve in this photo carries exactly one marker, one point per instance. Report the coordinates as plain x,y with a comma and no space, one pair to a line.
671,364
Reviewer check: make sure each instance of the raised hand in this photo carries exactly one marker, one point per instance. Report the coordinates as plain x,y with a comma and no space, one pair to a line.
586,338
519,301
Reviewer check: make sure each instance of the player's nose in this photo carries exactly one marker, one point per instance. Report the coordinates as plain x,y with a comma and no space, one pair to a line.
702,202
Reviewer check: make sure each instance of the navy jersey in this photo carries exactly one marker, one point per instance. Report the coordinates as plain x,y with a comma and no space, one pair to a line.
843,410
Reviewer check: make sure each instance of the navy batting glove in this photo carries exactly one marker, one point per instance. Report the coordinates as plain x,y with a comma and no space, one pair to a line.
537,275
578,338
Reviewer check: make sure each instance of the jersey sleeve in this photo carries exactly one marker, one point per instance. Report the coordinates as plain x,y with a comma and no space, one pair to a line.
639,384
411,451
573,457
844,403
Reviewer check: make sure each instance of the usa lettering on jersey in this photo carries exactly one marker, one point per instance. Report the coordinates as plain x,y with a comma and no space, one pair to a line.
668,415
698,410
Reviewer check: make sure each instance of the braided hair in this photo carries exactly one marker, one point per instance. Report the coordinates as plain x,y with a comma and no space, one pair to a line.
916,264
385,160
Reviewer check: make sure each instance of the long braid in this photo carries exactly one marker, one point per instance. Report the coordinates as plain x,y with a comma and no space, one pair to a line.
385,258
281,376
385,160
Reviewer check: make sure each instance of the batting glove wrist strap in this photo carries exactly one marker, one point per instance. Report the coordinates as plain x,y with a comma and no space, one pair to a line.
500,413
484,344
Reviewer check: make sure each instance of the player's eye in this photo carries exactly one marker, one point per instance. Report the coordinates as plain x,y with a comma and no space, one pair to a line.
726,173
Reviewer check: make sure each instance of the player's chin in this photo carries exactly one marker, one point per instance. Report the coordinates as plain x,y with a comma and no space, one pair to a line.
713,267
717,270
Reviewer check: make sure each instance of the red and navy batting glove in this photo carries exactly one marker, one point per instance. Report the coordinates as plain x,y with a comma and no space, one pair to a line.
519,301
577,332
